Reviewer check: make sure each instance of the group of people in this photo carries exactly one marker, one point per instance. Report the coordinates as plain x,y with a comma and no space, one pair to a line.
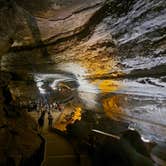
48,109
41,120
43,107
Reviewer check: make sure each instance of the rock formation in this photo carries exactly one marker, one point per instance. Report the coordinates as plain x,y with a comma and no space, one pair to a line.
36,38
20,143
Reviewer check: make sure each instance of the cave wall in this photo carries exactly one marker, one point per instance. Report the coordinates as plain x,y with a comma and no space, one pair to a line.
20,142
35,38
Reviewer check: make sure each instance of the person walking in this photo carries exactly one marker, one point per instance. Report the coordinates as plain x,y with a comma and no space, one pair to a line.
41,121
59,108
50,120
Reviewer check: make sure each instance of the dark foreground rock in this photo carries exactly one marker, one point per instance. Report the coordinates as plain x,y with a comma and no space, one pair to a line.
159,154
125,148
20,143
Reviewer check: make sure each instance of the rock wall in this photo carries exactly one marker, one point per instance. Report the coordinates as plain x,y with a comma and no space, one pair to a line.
138,26
19,139
36,38
31,37
52,35
20,143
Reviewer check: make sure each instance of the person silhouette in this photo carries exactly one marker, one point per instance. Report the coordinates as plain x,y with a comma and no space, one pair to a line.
50,119
41,120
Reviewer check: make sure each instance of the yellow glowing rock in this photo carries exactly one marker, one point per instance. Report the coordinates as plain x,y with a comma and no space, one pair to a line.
112,106
107,85
72,113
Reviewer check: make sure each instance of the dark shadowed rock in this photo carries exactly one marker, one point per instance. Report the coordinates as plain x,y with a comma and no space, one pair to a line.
158,154
19,139
134,139
138,26
111,151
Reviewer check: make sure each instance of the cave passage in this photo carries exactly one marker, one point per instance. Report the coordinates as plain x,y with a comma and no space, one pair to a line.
82,82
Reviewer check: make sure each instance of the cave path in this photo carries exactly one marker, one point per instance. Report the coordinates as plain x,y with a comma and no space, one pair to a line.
58,150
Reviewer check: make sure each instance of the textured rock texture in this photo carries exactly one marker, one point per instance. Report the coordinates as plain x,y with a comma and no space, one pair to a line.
19,139
36,38
60,33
